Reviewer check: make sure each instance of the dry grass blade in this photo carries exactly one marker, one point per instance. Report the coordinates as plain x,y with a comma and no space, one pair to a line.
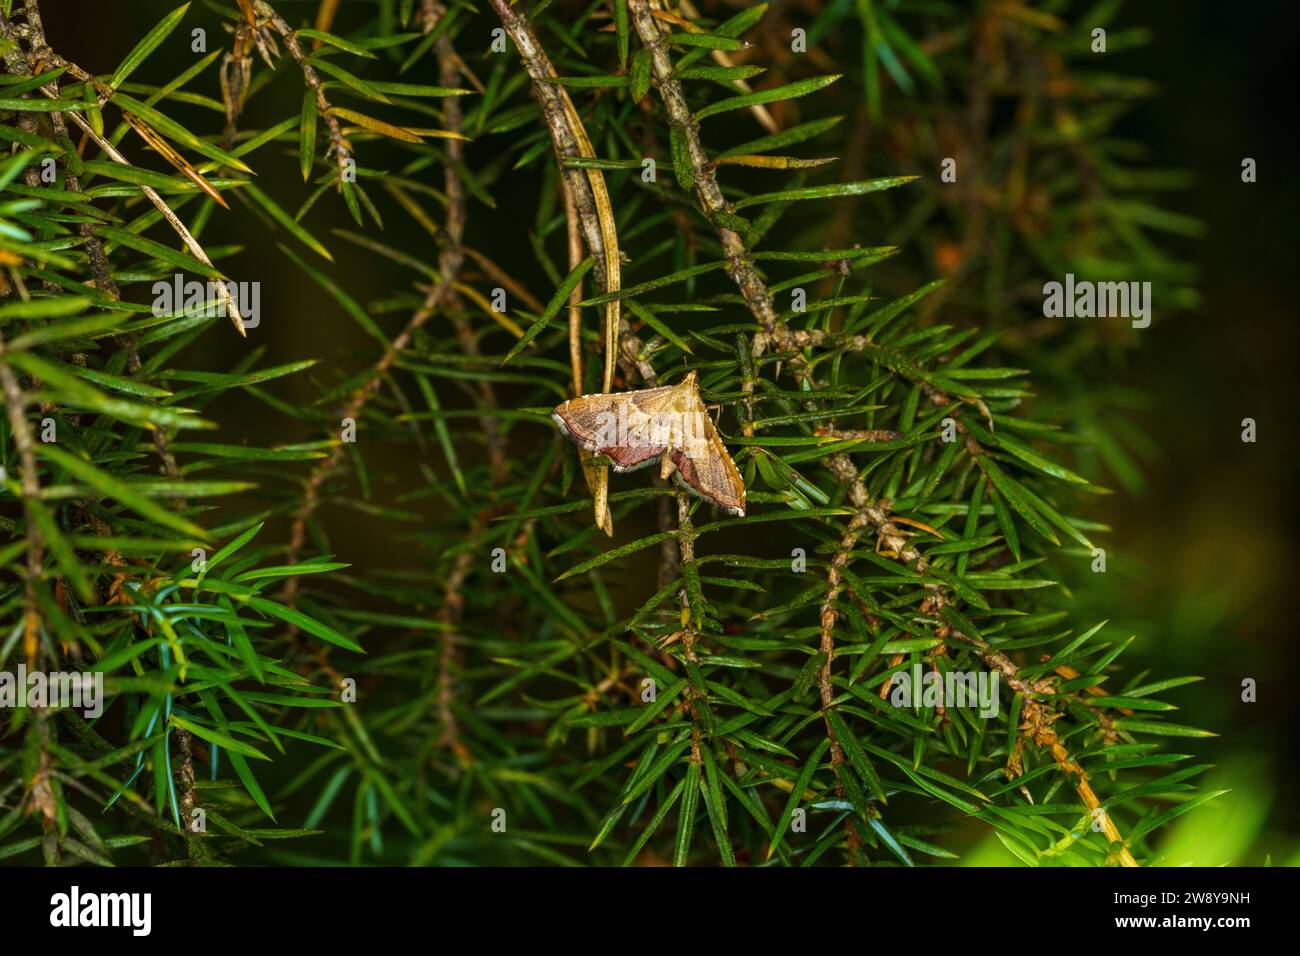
608,231
163,148
325,19
596,477
192,244
569,135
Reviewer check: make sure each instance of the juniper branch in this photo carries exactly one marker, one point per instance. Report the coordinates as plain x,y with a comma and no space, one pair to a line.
1038,718
15,408
339,144
714,205
451,256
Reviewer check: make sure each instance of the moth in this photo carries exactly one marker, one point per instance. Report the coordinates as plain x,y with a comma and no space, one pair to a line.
670,425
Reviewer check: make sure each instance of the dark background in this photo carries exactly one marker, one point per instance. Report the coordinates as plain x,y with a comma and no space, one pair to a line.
1203,565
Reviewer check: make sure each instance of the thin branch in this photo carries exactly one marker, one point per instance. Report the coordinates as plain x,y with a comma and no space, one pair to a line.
43,54
570,140
587,196
1037,726
339,144
712,202
356,403
590,198
1038,718
686,543
450,613
451,257
15,408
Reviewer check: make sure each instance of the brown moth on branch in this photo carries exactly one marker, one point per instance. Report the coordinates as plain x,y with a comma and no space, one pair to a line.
669,424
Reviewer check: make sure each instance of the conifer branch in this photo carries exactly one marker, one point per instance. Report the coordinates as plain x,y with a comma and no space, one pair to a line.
100,269
1037,727
739,265
41,55
450,613
38,791
828,619
103,279
451,255
24,444
1038,718
339,144
441,295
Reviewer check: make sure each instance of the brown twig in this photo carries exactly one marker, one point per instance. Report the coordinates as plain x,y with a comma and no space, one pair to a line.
439,295
712,202
450,614
829,617
339,144
450,260
356,403
686,545
590,199
451,256
15,408
569,138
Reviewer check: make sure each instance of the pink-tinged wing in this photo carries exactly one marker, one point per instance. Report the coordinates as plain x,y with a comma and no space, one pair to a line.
707,469
588,420
632,457
713,478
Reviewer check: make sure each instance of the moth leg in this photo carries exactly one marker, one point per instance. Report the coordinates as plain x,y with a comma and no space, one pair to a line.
666,465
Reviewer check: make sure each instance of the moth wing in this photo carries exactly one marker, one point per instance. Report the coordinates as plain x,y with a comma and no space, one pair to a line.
631,457
652,401
703,463
585,418
648,433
